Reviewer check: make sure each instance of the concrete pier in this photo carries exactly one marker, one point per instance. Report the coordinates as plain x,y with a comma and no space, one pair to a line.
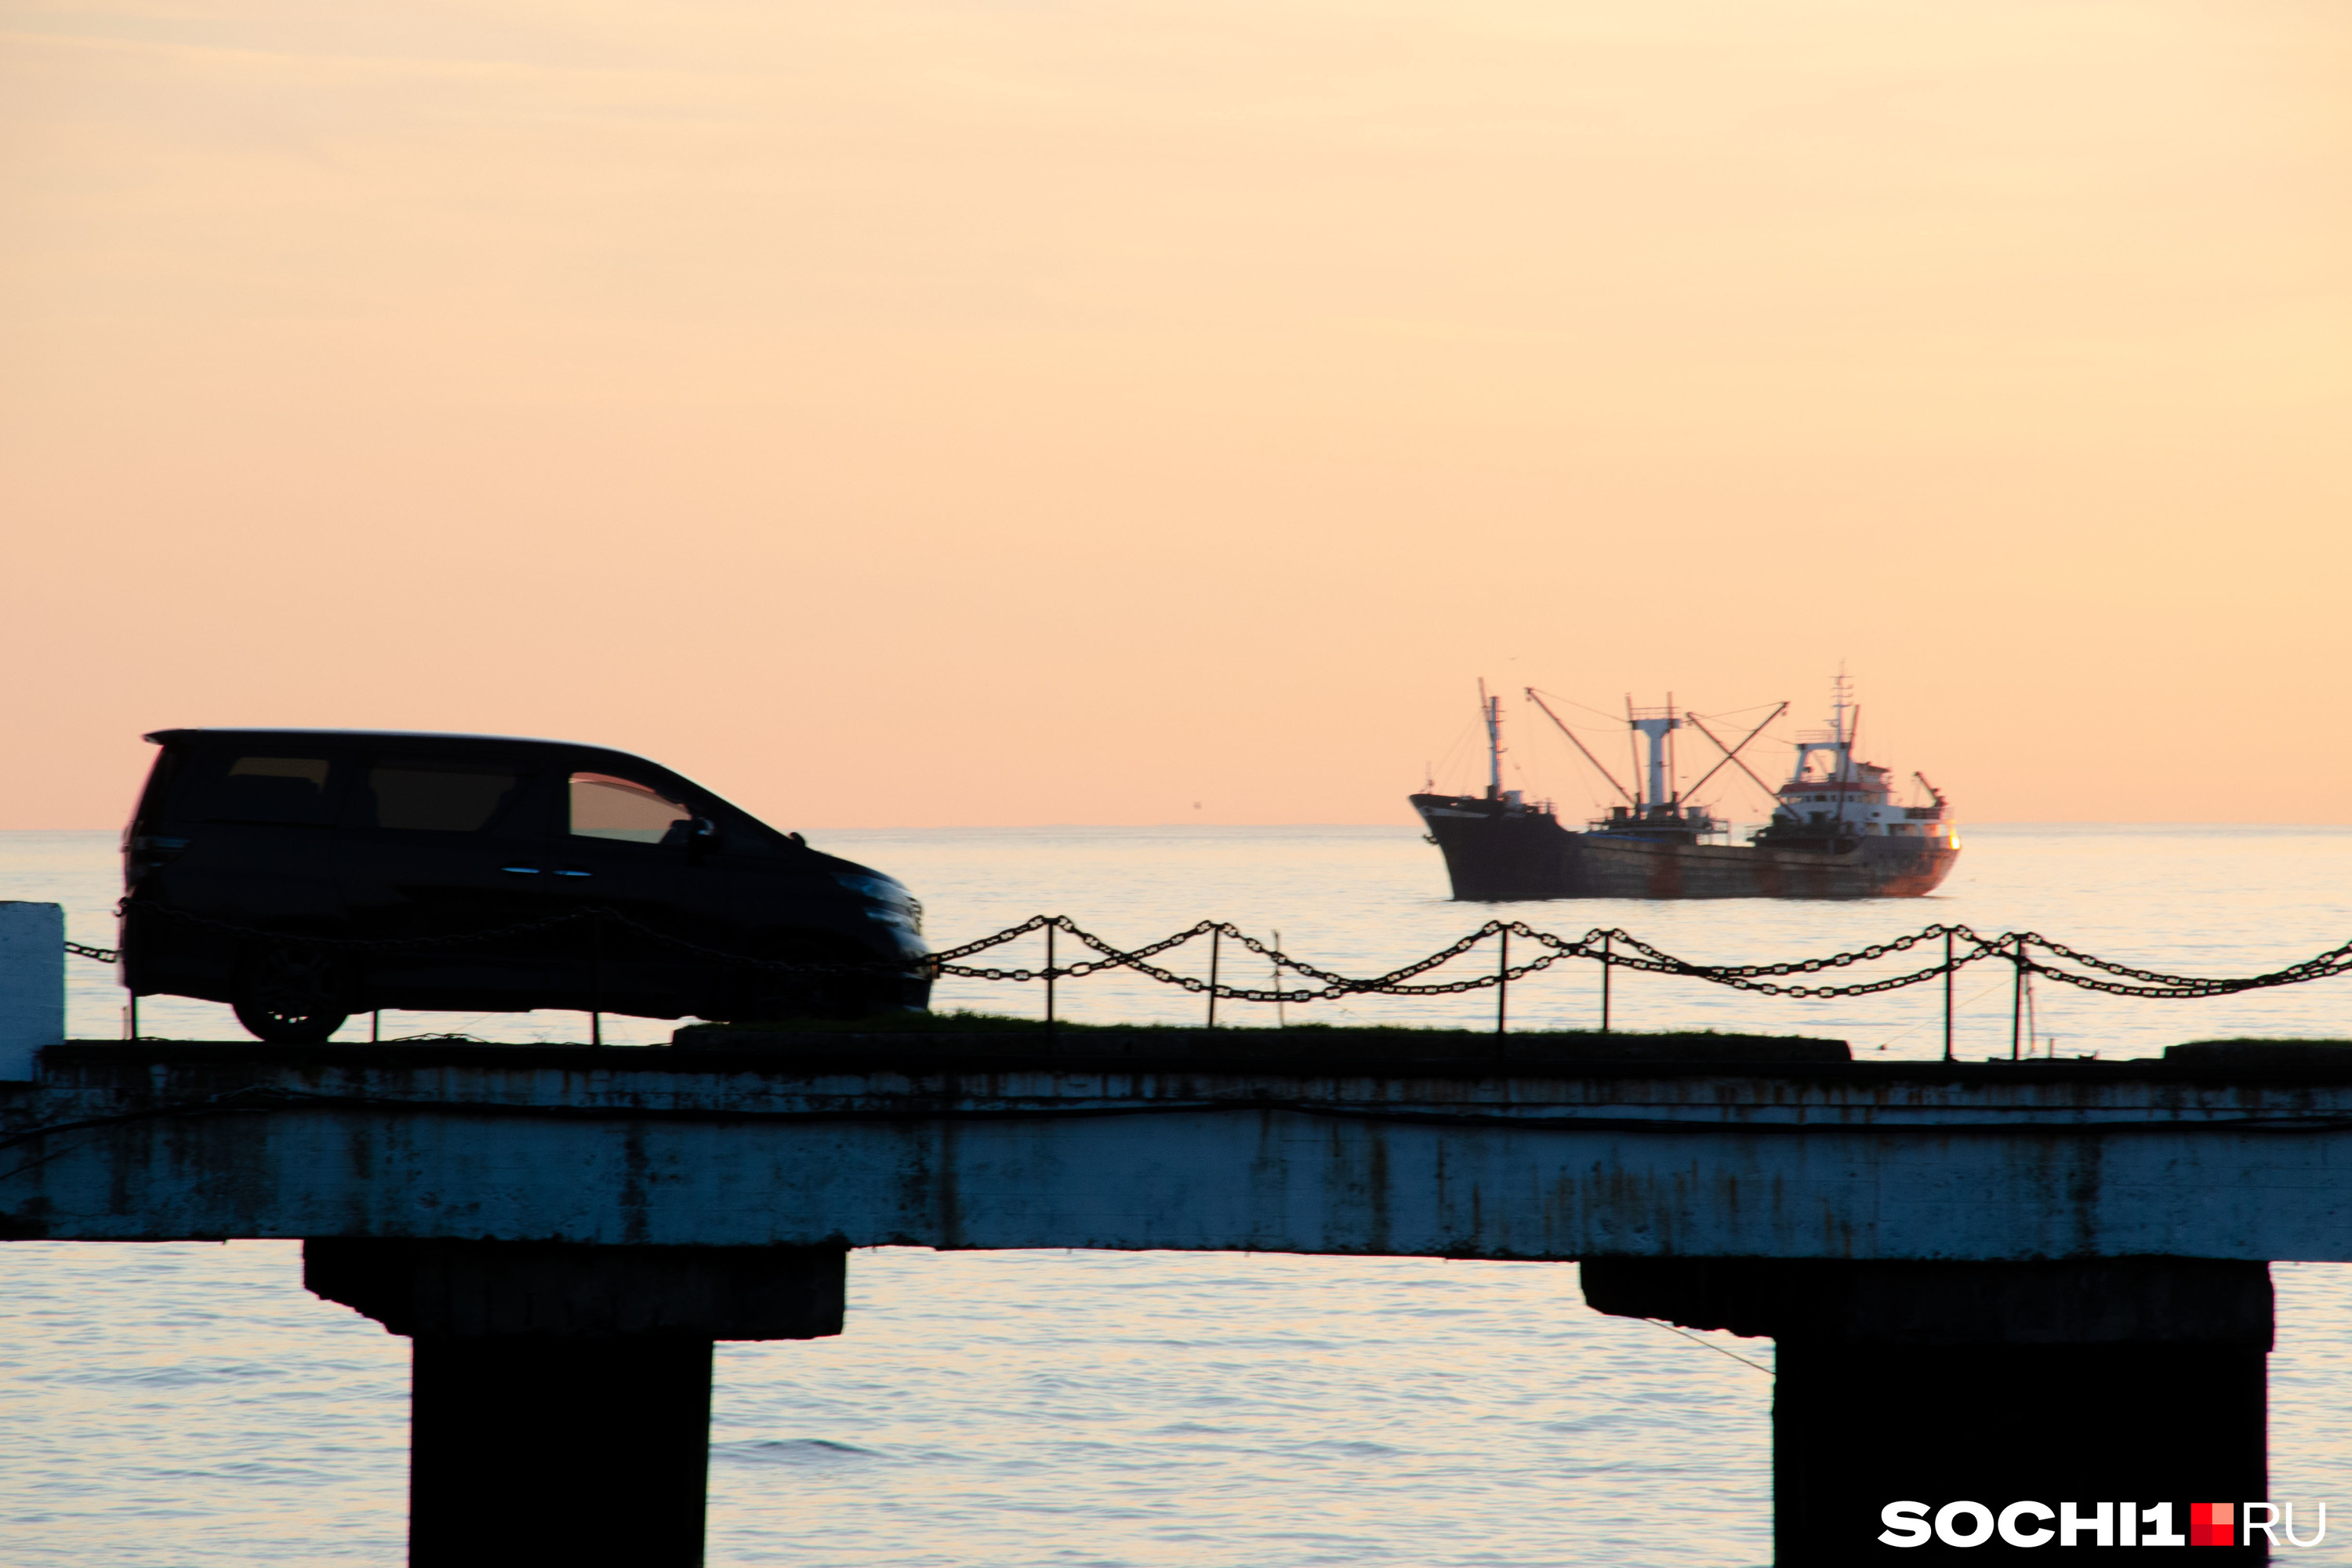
561,1394
526,1450
1990,1282
862,1144
2122,1382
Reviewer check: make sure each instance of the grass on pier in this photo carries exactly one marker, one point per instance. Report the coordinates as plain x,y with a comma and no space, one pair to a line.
959,1021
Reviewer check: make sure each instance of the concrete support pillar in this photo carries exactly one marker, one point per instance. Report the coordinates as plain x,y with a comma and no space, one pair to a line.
560,1402
535,1448
2102,1381
32,983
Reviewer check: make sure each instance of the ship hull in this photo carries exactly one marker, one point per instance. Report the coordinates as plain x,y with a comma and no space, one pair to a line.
1496,856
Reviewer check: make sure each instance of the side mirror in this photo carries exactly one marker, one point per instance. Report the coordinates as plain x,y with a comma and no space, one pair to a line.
696,835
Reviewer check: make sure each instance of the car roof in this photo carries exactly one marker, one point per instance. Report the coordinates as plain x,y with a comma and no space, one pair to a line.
430,737
166,737
162,737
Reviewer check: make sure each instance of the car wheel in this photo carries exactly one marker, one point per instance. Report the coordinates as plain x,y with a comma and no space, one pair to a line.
774,996
291,996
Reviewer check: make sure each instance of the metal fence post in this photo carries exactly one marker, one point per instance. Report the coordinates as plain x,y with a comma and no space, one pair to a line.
1605,967
1503,985
2017,999
1948,996
1217,940
1277,982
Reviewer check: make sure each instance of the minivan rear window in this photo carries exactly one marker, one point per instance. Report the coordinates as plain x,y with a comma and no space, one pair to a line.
271,789
437,796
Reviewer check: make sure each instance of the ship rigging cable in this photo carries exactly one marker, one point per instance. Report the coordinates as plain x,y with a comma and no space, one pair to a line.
2030,952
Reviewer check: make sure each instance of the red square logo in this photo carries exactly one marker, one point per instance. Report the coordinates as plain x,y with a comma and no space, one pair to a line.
2210,1524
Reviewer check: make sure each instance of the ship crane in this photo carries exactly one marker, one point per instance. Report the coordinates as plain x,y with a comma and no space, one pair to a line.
1731,754
1537,698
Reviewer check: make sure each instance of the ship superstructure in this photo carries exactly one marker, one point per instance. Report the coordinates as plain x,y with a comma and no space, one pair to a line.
1836,830
1833,797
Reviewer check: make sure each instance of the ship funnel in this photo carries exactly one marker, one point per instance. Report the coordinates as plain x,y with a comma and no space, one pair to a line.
1656,724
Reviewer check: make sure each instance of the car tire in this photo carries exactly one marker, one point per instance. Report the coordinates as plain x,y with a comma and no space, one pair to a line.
290,995
773,996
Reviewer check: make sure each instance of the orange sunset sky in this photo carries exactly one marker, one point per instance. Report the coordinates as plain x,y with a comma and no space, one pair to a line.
918,412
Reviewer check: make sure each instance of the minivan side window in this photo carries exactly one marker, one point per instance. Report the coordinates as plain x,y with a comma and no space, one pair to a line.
602,806
437,796
271,789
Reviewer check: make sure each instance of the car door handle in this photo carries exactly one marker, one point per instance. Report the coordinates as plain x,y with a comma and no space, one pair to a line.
567,871
519,871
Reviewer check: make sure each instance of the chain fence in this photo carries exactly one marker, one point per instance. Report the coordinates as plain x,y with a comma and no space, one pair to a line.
2029,952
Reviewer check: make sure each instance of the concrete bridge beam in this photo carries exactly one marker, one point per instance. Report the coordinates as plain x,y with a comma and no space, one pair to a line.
2135,1382
1885,1221
559,1402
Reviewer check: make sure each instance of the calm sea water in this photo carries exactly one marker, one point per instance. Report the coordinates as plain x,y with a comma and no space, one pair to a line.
191,1404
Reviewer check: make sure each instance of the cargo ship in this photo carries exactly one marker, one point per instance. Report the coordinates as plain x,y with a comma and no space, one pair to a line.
1836,830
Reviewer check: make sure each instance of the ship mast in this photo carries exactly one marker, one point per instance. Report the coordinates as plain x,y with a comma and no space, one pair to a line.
1840,773
1490,709
1674,761
1842,698
1841,703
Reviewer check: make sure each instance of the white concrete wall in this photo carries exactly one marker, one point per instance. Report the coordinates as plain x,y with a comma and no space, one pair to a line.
32,983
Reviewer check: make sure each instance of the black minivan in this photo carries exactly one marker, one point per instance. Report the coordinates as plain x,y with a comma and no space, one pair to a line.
306,875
